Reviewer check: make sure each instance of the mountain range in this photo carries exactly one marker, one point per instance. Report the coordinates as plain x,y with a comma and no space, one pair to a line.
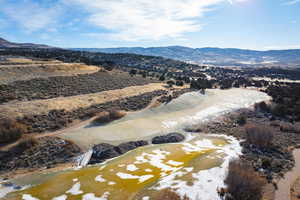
204,56
213,56
7,44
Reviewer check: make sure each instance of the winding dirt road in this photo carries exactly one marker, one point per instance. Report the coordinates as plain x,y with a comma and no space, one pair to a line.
284,185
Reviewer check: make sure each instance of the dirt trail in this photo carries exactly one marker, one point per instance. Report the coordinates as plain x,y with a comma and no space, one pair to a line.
284,185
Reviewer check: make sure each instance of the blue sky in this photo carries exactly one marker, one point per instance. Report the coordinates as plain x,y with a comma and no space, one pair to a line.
248,24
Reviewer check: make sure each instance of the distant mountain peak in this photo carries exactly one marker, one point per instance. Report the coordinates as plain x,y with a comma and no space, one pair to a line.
214,55
1,39
7,44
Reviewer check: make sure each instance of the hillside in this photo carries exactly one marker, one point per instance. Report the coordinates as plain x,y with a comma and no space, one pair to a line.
214,56
7,44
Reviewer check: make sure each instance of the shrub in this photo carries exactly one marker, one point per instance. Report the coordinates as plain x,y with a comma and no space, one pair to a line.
243,183
170,83
11,131
278,110
116,114
105,117
259,135
71,149
133,72
24,144
179,83
162,78
168,194
262,106
241,120
275,123
288,127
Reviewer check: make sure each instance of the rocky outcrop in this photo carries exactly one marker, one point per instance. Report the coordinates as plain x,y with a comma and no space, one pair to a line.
169,138
125,147
104,151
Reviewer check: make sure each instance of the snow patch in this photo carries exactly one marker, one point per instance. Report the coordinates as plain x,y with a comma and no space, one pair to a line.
75,190
132,168
130,176
111,183
174,163
91,196
28,197
62,197
206,182
156,159
100,179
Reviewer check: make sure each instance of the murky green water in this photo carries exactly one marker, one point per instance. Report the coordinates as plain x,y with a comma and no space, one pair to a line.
140,170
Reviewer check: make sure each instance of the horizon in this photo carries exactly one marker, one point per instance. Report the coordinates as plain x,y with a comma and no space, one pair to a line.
117,47
239,24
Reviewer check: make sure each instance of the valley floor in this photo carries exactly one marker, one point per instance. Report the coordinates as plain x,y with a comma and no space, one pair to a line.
58,103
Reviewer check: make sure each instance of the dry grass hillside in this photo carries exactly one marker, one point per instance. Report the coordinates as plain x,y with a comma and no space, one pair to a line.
48,95
17,69
38,107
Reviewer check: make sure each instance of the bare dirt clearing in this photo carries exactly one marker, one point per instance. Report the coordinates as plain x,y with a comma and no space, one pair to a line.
17,69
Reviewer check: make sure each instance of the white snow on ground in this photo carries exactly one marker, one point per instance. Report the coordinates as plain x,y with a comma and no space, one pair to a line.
102,167
199,146
217,103
130,176
127,176
188,169
62,197
148,170
28,197
100,179
145,178
146,198
75,190
174,163
75,179
84,159
156,159
78,168
111,183
5,190
206,182
189,137
132,168
91,196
